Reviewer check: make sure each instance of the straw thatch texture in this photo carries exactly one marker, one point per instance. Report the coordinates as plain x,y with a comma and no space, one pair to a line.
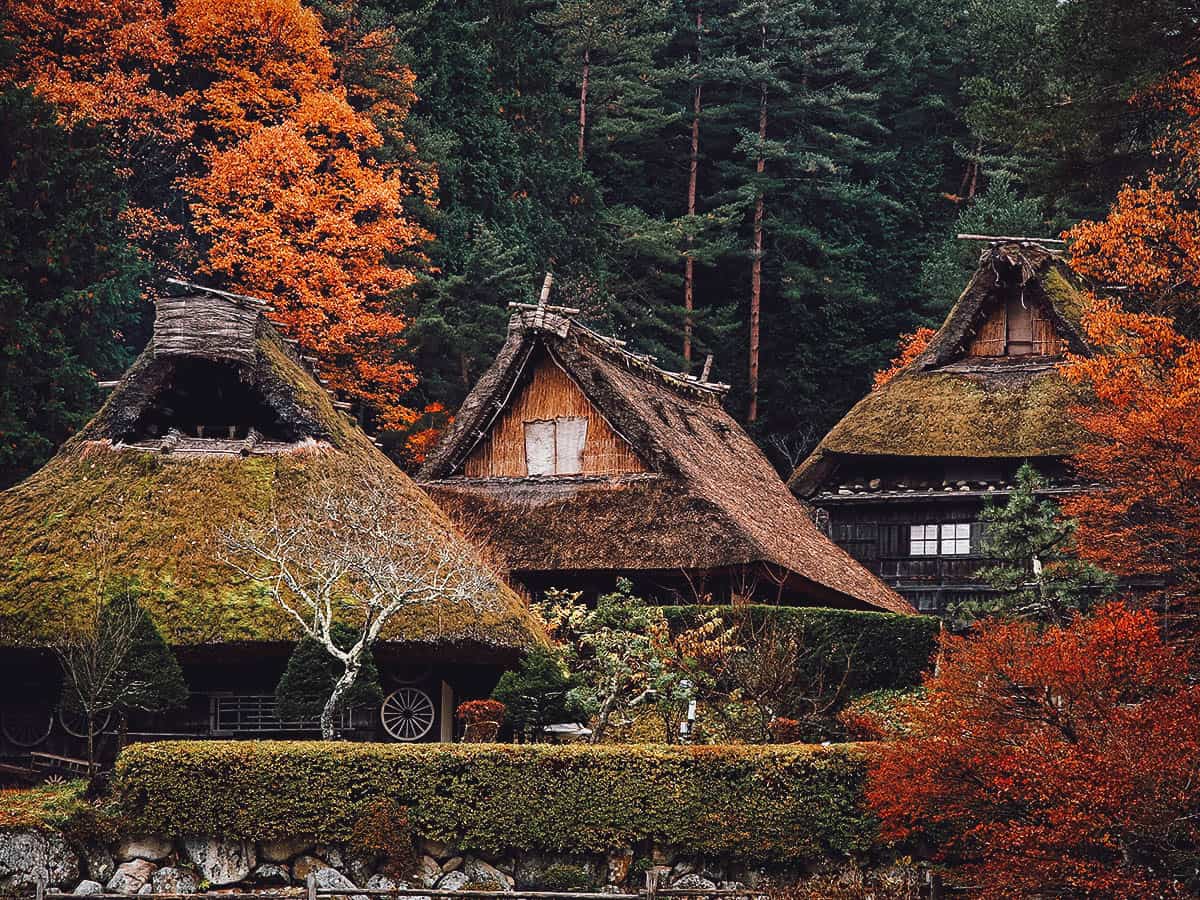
949,404
161,517
710,499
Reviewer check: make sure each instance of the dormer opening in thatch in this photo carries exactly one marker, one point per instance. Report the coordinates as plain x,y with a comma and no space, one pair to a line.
579,461
213,400
218,421
900,479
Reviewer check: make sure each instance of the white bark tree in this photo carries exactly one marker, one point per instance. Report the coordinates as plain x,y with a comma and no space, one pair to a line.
349,554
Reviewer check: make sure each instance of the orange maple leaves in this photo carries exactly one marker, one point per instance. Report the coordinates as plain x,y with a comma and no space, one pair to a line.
909,347
1142,516
239,110
1052,763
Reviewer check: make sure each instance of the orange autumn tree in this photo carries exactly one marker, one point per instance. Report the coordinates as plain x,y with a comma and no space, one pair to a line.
1143,454
908,348
270,170
1060,762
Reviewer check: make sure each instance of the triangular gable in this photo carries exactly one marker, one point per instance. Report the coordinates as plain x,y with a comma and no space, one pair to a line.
1021,301
550,427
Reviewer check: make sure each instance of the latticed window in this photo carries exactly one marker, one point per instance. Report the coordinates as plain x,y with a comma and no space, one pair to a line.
945,539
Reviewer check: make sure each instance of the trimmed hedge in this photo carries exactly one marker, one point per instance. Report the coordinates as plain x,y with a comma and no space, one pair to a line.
753,803
889,650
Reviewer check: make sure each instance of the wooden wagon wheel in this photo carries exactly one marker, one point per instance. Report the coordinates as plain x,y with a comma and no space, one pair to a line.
407,714
26,727
74,723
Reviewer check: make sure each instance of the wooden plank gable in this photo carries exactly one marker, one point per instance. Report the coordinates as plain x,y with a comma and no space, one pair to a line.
1017,327
549,427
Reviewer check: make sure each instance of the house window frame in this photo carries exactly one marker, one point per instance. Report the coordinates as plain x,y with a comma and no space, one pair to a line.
940,539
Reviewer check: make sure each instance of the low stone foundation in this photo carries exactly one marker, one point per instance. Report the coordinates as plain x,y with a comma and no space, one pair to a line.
148,864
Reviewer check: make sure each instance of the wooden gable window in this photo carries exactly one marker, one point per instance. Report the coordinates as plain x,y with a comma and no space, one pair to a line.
1017,327
555,446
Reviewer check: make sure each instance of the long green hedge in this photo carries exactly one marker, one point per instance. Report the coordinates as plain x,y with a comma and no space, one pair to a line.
753,803
886,650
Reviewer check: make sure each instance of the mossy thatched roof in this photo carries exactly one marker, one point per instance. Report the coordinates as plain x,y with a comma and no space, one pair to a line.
711,499
161,517
945,404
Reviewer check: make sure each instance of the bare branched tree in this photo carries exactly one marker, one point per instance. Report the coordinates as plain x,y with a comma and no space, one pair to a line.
349,554
94,657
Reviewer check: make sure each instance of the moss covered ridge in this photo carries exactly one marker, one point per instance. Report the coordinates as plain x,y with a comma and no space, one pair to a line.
162,517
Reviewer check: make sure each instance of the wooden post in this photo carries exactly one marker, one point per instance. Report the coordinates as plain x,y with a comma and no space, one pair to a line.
310,883
252,438
654,878
545,296
708,361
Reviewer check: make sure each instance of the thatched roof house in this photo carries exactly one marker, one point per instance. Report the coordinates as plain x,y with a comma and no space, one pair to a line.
577,461
920,451
218,420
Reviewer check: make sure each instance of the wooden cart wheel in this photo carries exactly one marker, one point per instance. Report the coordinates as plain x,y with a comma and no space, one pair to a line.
26,727
407,714
75,723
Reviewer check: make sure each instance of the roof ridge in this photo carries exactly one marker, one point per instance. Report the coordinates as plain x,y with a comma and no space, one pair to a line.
547,320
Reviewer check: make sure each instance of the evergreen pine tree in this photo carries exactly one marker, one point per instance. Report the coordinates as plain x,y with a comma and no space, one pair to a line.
537,694
70,303
311,673
1035,574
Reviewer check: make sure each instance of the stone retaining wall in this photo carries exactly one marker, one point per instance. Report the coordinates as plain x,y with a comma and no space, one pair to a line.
148,864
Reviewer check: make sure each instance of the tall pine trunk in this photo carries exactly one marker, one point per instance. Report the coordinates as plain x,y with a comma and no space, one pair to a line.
756,264
689,264
583,96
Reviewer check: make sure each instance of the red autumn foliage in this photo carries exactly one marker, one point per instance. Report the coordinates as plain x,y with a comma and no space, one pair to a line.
1143,456
1143,518
908,347
481,720
1062,762
474,711
784,730
240,105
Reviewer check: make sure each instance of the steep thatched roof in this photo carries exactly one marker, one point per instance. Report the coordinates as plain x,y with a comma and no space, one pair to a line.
709,500
160,516
947,404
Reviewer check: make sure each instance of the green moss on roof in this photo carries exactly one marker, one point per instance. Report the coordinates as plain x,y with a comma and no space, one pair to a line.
1012,415
164,515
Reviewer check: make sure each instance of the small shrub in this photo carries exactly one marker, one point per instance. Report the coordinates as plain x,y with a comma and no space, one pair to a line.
481,720
564,878
784,730
383,830
879,714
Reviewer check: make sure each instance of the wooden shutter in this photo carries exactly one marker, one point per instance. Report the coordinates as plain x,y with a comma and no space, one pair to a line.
1020,327
992,335
570,434
539,448
1046,341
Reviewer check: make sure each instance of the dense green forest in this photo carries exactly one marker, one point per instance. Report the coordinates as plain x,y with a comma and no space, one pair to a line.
775,183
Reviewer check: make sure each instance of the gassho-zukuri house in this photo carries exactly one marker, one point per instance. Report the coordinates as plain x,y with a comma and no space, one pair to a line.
577,461
218,416
901,480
